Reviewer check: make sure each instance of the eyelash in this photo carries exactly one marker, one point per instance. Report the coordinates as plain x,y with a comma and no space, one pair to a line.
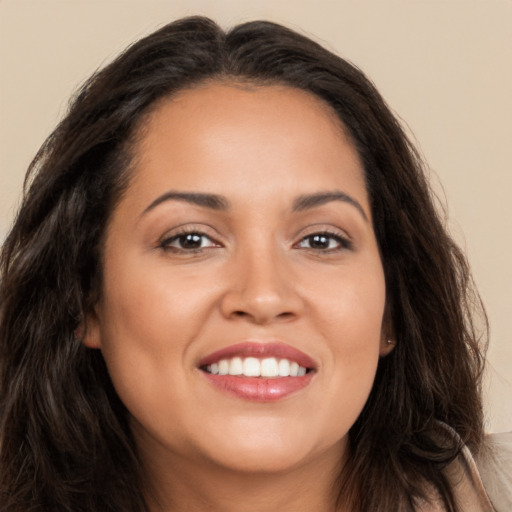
166,243
341,242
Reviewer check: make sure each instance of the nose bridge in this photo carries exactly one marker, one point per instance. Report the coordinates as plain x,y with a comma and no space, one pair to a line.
261,286
264,275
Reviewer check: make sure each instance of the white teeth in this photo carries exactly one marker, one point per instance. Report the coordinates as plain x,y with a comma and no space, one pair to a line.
223,367
252,367
269,367
294,369
236,366
284,368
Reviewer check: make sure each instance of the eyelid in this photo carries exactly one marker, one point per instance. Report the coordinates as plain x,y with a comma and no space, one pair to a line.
183,230
345,241
167,243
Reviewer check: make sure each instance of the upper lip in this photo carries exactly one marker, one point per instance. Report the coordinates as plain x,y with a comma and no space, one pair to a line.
260,350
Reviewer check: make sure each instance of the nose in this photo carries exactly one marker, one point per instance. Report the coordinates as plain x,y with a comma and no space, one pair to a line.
262,289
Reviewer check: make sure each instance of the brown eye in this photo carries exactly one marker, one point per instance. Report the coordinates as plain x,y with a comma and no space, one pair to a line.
324,242
190,241
193,241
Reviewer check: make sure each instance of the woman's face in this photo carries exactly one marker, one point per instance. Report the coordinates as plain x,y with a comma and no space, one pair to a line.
243,244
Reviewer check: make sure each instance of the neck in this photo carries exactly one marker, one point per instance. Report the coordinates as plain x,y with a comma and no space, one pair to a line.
178,485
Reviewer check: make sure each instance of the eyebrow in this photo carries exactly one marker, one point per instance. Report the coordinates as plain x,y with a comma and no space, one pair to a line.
220,203
309,201
211,201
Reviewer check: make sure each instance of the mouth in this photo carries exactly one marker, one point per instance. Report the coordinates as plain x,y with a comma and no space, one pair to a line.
260,372
270,367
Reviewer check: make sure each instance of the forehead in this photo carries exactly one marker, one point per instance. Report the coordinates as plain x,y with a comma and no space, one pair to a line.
252,139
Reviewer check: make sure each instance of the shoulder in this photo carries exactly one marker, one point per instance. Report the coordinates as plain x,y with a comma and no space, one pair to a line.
481,482
494,464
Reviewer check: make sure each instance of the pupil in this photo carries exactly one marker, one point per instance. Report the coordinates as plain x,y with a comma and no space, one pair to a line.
191,241
319,242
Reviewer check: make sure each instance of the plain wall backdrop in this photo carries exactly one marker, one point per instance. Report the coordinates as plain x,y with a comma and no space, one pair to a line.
445,67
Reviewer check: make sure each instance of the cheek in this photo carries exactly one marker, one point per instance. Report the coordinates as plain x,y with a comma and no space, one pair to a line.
358,332
349,318
349,307
147,326
156,309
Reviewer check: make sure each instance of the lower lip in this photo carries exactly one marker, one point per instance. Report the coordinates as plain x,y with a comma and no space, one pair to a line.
259,389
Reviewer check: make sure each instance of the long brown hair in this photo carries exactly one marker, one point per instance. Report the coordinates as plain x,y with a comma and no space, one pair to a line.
65,444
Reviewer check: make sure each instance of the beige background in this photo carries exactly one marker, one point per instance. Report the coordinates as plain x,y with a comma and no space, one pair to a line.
444,66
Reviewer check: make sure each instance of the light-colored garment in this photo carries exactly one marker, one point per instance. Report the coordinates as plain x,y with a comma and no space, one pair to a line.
482,483
494,466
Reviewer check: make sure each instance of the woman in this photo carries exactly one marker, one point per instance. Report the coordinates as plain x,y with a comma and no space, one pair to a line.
228,288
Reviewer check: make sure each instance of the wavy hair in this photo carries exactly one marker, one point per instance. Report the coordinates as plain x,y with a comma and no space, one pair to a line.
65,443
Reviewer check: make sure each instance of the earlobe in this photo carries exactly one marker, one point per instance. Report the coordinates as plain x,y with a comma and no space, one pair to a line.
386,346
89,330
388,337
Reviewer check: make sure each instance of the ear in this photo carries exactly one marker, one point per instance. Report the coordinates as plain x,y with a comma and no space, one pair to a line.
388,336
387,344
89,331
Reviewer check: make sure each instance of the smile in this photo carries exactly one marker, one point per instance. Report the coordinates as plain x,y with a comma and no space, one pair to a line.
260,372
270,367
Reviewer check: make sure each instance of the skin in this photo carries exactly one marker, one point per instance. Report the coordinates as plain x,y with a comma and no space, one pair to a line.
257,276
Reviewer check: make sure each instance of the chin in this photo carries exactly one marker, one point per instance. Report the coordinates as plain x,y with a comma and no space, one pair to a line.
262,449
261,460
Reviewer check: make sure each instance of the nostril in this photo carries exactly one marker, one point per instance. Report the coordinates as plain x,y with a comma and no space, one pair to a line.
259,307
244,314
